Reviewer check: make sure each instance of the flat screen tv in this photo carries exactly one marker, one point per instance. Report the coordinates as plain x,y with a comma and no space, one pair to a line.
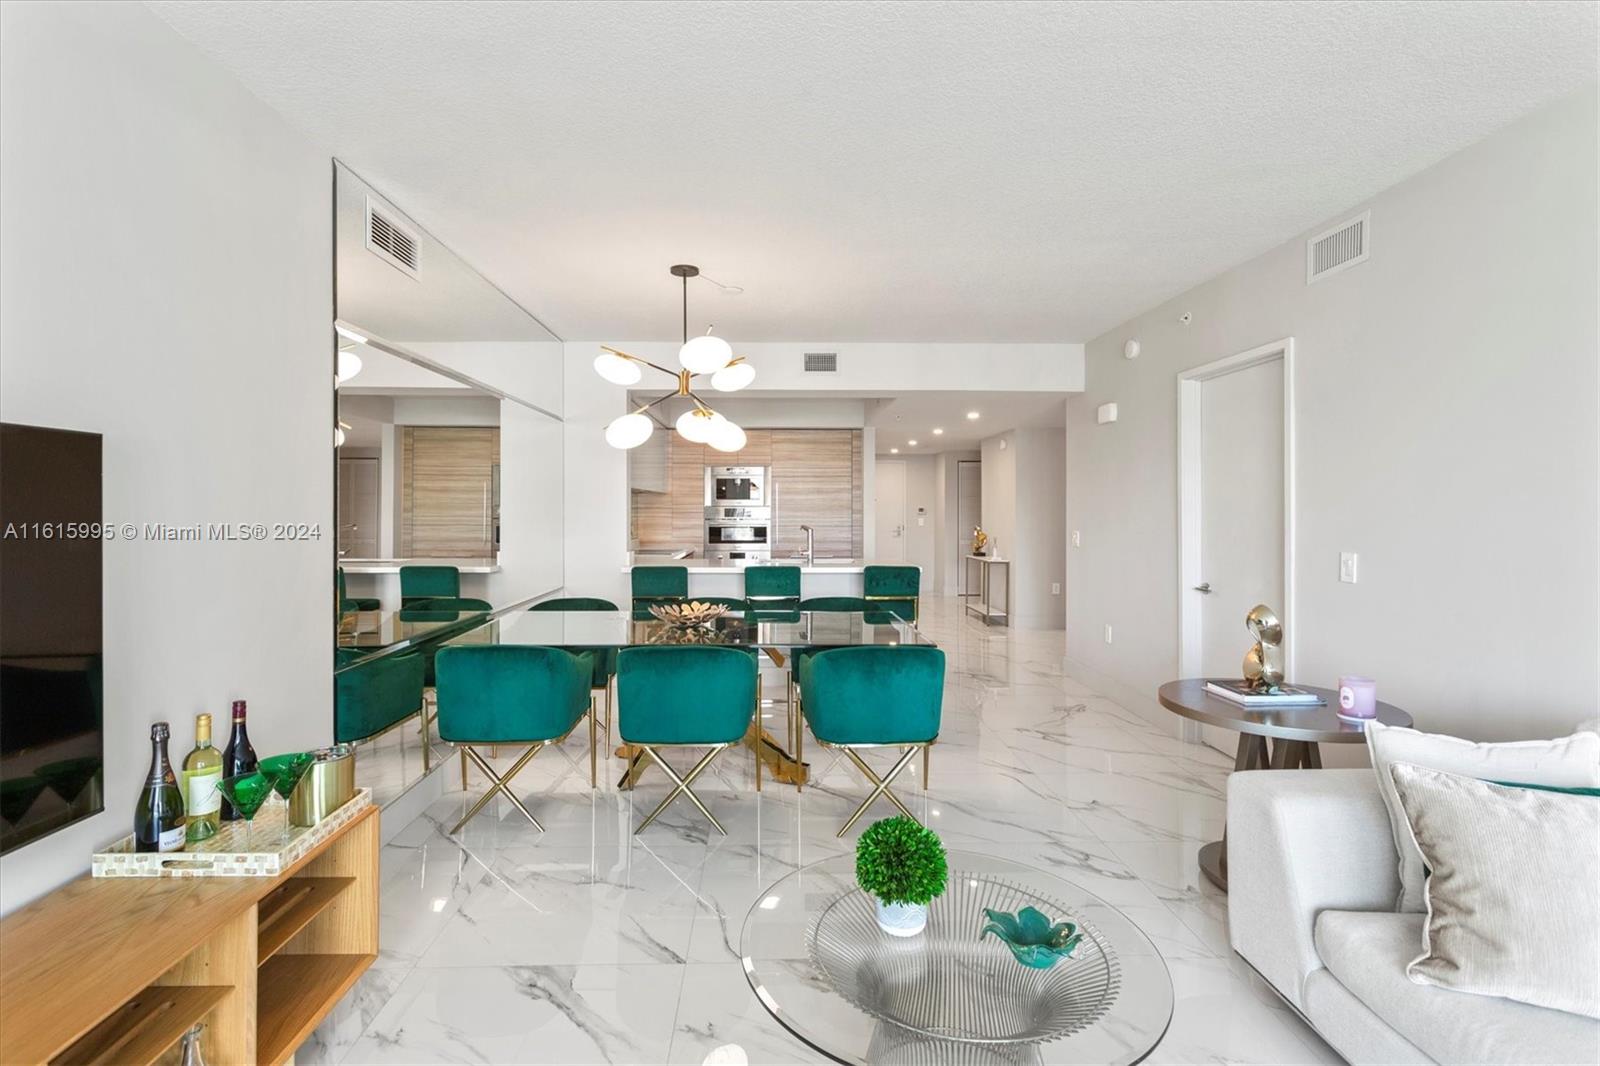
51,745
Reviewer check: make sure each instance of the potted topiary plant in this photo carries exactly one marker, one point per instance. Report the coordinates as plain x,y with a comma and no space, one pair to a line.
901,865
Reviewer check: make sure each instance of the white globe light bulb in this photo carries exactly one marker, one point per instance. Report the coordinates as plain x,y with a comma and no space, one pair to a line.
615,369
705,355
733,377
629,431
728,437
696,425
348,366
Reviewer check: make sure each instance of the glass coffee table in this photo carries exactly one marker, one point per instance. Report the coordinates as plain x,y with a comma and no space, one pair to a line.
818,962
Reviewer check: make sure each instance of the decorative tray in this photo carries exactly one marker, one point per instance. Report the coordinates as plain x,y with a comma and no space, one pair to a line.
946,984
235,851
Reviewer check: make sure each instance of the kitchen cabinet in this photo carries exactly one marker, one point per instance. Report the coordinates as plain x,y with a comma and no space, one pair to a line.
447,490
817,475
648,463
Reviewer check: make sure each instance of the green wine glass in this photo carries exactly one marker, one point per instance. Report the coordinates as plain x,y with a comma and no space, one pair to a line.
285,772
247,792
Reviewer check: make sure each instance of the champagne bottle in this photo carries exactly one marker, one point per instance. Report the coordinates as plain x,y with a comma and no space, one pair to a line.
237,758
158,816
202,769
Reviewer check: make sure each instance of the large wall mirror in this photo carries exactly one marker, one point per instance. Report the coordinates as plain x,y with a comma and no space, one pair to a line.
449,496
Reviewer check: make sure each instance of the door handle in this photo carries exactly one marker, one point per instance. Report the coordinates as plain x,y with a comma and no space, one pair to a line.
1204,587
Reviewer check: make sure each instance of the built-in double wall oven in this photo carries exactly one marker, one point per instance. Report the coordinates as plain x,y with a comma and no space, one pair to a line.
738,514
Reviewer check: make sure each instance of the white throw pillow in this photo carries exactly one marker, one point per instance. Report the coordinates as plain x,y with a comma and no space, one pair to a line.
1511,890
1570,762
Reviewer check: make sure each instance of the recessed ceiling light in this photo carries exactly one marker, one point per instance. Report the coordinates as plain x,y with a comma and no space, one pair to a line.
937,432
912,443
894,451
972,416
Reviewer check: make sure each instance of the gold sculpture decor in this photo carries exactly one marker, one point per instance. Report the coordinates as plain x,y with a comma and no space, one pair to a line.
688,615
979,540
1263,663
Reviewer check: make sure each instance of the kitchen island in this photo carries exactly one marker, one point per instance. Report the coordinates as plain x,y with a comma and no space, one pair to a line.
824,577
380,578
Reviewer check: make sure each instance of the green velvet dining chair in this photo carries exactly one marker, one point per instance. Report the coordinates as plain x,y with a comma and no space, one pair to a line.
874,696
435,608
512,694
605,659
685,697
370,698
895,588
659,584
429,582
827,605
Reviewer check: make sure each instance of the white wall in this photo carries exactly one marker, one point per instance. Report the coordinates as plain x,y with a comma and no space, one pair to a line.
1024,515
1446,432
152,208
531,504
595,528
530,371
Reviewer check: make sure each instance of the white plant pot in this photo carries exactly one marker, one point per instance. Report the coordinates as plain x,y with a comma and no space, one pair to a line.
902,919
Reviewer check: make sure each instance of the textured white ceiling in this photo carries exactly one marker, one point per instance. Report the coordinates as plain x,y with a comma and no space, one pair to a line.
986,171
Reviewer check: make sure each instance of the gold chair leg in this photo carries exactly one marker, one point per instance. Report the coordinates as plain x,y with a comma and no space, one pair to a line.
427,738
881,786
925,748
463,750
500,784
681,785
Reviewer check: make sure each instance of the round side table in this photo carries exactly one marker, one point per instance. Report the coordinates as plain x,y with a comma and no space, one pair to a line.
1296,734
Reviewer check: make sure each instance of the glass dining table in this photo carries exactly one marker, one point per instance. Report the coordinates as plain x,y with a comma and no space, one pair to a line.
373,631
777,634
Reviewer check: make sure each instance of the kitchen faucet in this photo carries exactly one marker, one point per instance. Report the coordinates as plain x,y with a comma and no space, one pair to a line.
811,545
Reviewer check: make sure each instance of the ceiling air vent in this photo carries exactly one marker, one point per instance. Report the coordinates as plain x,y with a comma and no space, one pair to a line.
1339,248
390,241
822,362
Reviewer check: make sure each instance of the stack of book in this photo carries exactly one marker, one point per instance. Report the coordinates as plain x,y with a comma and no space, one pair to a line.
1246,695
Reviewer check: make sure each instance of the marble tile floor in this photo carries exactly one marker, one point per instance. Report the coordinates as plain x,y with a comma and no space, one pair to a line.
586,944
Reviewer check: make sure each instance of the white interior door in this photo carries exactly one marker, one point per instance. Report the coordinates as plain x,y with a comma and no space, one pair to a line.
889,510
358,508
1241,515
969,513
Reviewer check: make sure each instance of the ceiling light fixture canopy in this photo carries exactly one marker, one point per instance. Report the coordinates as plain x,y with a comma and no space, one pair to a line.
706,354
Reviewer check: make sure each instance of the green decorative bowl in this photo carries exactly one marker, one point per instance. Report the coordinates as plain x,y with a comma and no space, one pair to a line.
1032,938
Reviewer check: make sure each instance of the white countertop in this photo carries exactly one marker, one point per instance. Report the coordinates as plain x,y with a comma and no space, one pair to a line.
466,565
717,566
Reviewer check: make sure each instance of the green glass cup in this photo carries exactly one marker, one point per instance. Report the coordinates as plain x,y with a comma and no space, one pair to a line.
285,772
247,792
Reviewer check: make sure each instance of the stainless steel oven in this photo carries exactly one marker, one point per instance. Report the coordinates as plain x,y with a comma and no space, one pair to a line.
737,533
745,485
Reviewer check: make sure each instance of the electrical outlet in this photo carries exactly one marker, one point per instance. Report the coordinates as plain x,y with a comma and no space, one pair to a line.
1347,567
1108,632
1077,539
1055,588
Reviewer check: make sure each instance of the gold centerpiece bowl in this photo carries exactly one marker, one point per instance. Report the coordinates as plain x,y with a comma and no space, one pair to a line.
688,615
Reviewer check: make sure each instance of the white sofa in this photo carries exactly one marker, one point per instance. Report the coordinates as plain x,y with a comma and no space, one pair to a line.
1311,891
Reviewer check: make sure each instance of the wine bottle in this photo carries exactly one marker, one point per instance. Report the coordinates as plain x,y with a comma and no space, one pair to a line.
158,816
237,758
202,769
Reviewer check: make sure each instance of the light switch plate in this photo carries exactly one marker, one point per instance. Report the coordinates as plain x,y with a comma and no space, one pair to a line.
1108,632
1347,567
1077,539
1055,588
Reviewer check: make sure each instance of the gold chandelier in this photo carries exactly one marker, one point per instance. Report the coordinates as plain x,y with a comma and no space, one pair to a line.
698,356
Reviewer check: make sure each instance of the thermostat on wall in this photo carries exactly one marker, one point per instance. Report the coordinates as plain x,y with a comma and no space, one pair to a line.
1106,412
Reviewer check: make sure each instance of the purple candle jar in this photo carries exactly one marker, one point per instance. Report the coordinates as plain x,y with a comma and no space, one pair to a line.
1358,698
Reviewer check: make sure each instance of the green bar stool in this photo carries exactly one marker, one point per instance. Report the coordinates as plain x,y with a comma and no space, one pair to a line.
895,588
511,694
352,603
659,584
441,607
874,697
772,588
429,582
605,659
376,696
689,697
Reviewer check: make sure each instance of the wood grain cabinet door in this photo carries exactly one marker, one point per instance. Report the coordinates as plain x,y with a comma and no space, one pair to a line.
815,474
447,504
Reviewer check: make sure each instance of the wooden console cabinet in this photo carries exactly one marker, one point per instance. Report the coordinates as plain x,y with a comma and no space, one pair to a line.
116,970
